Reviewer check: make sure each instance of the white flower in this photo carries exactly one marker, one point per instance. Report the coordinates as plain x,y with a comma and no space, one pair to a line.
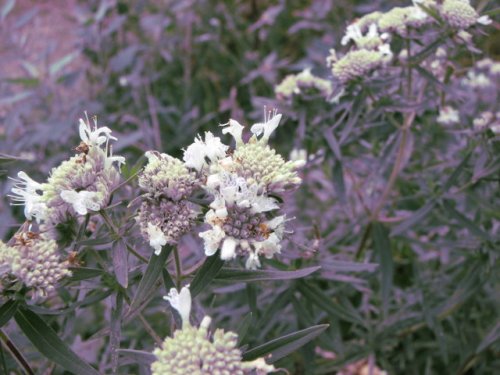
353,32
448,115
196,155
212,239
181,302
108,163
252,262
270,124
157,238
484,20
235,129
385,49
94,137
28,192
81,201
299,157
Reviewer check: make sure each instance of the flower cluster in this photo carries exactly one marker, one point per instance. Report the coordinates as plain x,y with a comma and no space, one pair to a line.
242,185
460,14
193,350
81,184
304,82
165,213
242,215
34,261
371,35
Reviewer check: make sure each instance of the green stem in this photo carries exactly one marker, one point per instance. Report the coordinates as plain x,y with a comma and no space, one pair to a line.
150,330
405,130
116,234
178,269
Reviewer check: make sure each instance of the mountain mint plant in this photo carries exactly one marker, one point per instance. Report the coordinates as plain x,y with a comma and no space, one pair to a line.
371,249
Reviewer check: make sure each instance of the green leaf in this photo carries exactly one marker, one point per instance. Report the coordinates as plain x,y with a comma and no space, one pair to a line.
206,273
84,273
243,328
15,98
136,356
328,304
120,262
418,216
27,82
146,286
465,221
7,311
49,344
492,337
7,7
235,275
382,247
338,180
284,345
62,62
456,173
492,12
427,51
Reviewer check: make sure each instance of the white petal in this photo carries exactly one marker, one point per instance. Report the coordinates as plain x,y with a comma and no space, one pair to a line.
181,302
252,262
228,250
235,129
157,238
212,239
484,20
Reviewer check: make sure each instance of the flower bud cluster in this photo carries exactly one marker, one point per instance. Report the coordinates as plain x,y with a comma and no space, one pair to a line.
488,120
303,83
77,186
165,213
459,14
370,36
35,262
193,350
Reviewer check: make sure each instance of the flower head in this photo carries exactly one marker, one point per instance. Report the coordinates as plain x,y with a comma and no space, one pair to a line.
193,350
34,261
239,222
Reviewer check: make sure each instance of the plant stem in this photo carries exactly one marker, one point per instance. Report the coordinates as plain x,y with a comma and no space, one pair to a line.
150,330
116,233
405,130
9,345
178,269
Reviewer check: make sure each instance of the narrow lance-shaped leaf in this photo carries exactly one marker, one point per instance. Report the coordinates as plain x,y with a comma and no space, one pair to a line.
136,356
7,311
49,344
244,327
243,275
206,273
414,219
84,273
120,262
151,275
319,298
382,247
284,345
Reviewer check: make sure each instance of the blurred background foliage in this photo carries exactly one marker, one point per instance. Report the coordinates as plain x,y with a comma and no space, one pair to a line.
159,72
